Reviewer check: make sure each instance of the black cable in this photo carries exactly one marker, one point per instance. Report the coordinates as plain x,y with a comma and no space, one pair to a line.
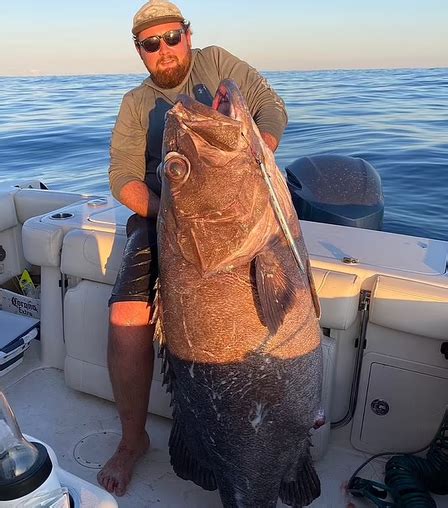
409,478
406,476
373,457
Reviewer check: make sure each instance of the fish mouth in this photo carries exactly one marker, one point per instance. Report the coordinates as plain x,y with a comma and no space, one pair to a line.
223,101
223,125
228,102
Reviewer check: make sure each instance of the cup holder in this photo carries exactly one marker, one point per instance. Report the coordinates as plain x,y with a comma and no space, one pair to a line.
97,202
61,216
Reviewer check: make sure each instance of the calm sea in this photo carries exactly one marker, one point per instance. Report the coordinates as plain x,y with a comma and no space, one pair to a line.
57,130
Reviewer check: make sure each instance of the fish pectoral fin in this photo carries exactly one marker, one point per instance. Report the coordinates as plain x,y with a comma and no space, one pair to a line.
275,290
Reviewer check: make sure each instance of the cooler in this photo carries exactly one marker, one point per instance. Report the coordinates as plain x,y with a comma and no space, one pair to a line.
16,333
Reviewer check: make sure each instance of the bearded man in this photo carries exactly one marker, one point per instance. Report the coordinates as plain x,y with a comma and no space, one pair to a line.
162,38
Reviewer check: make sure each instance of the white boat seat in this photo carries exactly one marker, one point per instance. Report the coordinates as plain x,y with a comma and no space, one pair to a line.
414,307
42,243
339,297
8,218
92,255
34,202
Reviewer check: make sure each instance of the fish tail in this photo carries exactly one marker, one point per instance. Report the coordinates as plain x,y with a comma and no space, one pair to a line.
304,489
184,464
245,489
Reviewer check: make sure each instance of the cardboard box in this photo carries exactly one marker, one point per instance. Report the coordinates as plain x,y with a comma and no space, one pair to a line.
19,304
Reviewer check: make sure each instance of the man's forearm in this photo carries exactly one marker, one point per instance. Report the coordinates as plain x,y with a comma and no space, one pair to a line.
137,196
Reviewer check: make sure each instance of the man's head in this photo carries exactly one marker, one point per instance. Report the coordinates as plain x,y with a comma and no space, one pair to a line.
163,39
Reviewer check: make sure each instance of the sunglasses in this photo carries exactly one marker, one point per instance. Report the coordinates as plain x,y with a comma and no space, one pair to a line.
171,38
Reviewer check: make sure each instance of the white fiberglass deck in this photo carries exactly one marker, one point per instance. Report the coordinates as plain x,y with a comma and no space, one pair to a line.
61,417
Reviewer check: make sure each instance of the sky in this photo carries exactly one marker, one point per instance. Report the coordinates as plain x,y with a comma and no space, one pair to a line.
55,37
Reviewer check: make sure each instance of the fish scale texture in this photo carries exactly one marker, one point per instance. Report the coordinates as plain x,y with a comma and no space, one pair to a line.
243,428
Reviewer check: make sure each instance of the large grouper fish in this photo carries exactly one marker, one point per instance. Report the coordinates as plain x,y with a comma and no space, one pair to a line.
237,316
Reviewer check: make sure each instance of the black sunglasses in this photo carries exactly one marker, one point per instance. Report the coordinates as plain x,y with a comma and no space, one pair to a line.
171,38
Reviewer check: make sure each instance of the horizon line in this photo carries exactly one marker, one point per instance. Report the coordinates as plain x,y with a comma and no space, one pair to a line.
38,75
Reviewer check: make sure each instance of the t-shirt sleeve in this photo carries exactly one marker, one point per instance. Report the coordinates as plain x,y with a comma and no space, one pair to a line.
128,147
266,107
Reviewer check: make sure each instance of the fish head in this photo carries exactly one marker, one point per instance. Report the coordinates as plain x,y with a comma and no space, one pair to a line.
211,181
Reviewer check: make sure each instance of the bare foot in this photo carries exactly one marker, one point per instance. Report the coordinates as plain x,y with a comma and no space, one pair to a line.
117,472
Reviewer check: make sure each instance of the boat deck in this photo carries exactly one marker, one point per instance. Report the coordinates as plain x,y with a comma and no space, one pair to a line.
84,430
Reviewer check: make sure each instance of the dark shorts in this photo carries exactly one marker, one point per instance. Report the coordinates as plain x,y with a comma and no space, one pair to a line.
139,268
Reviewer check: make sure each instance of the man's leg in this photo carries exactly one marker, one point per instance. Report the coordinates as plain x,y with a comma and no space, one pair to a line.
131,361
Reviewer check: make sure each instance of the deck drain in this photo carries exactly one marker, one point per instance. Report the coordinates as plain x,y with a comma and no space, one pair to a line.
95,449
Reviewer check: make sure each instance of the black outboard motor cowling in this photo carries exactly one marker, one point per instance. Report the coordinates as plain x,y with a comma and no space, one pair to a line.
336,189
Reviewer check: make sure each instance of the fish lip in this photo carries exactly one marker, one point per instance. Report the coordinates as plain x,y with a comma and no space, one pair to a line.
228,89
212,111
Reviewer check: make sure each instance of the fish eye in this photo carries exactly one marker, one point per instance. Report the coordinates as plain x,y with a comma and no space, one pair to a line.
177,168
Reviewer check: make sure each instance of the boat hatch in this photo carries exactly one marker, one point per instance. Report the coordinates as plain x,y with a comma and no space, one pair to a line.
377,249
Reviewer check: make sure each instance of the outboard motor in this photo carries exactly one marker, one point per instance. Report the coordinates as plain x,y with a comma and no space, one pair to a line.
336,189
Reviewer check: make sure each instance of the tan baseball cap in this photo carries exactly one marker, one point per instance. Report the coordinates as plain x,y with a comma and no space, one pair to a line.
155,12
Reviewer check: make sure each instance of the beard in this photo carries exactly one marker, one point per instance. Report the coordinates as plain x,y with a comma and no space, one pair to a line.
170,78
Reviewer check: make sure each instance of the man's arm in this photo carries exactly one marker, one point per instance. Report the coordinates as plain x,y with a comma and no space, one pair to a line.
128,162
140,199
266,107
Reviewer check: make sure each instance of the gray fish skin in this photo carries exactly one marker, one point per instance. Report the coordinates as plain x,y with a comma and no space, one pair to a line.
238,320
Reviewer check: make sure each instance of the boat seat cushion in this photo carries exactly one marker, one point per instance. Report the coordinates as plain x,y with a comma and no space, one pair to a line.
92,255
418,308
339,297
33,202
42,242
8,218
86,317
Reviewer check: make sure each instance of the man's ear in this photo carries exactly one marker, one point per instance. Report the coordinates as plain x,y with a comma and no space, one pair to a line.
188,37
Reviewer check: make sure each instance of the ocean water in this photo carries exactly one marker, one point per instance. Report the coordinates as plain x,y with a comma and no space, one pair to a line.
57,130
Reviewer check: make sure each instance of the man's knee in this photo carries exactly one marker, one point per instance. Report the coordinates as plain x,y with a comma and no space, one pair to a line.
130,314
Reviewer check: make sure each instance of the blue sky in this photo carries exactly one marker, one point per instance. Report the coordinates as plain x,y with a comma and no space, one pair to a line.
93,36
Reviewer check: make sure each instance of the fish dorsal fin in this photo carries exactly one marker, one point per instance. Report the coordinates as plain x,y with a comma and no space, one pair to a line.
275,290
156,318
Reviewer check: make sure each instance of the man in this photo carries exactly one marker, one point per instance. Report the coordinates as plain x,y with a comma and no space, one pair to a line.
163,41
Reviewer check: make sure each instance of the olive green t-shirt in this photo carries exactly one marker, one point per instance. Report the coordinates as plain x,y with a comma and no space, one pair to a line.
136,144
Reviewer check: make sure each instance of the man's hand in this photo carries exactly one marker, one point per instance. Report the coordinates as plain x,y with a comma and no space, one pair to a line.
137,196
270,140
